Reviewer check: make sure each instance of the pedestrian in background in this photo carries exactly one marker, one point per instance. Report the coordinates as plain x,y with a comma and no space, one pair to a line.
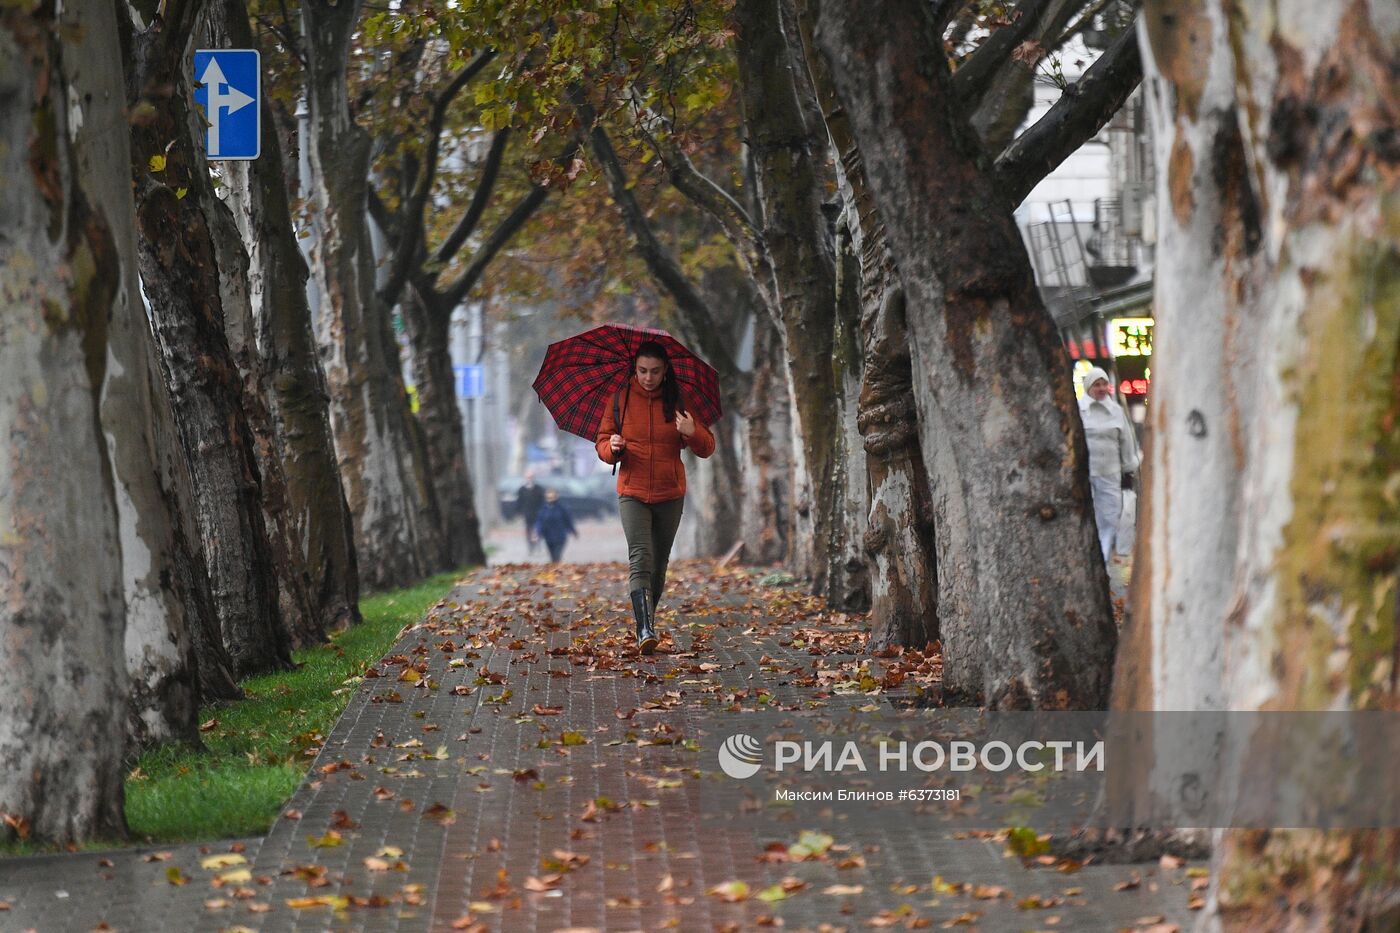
553,525
1113,453
645,435
528,499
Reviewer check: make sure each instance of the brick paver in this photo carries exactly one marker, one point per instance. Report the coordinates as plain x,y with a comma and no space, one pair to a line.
468,793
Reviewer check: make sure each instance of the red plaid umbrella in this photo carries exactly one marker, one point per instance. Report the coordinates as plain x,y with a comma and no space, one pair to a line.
580,376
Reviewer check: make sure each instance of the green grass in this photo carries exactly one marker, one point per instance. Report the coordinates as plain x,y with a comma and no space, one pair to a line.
256,755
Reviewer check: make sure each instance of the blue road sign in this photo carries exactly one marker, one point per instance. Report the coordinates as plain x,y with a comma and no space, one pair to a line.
468,380
229,83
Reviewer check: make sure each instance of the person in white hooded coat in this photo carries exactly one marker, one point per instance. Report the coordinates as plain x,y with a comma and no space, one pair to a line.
1113,451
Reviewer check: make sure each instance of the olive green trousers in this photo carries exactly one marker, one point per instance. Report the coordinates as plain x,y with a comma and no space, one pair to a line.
650,528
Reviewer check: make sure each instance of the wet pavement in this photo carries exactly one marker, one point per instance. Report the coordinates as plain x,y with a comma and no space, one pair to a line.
514,767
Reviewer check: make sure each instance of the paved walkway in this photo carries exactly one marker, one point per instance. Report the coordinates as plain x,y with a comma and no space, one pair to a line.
514,768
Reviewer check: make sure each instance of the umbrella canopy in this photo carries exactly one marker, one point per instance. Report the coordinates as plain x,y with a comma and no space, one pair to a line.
580,376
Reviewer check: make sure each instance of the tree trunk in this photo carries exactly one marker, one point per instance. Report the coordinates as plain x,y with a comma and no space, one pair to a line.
292,384
1271,584
294,588
63,710
786,154
441,420
387,487
179,271
769,523
899,536
848,576
162,576
723,507
1010,90
1023,596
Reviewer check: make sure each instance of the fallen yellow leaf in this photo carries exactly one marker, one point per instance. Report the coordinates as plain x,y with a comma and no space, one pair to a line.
222,861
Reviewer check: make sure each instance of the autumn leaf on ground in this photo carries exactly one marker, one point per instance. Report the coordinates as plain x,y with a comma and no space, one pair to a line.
329,841
772,894
468,924
901,915
946,887
545,883
236,876
561,860
730,892
810,846
1023,841
441,813
318,900
175,876
222,861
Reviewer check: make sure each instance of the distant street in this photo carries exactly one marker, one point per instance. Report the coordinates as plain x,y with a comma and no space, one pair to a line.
599,541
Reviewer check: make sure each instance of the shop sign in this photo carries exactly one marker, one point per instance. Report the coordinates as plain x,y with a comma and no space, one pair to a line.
1130,336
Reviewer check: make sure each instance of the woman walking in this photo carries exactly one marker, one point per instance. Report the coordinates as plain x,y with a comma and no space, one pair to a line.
644,431
1113,453
553,525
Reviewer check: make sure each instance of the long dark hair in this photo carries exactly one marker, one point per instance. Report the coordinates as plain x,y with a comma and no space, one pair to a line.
670,387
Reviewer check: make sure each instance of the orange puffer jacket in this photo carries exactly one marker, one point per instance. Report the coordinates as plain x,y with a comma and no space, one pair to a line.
651,468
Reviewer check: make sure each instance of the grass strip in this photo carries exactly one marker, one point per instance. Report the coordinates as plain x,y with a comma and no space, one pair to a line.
257,750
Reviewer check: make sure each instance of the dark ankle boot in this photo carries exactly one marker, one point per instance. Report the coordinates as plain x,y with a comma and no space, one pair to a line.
641,610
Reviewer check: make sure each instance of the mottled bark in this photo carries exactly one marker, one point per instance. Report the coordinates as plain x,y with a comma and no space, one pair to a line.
898,536
281,352
997,90
64,707
180,275
769,523
1023,598
387,486
441,420
294,588
848,571
899,539
723,508
788,156
1268,573
166,593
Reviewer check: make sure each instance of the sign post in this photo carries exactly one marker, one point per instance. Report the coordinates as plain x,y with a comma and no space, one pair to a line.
468,380
229,81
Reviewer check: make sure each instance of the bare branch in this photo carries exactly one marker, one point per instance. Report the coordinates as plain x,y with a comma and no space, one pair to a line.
490,171
383,217
1085,20
453,294
411,215
696,322
971,80
1082,110
705,193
